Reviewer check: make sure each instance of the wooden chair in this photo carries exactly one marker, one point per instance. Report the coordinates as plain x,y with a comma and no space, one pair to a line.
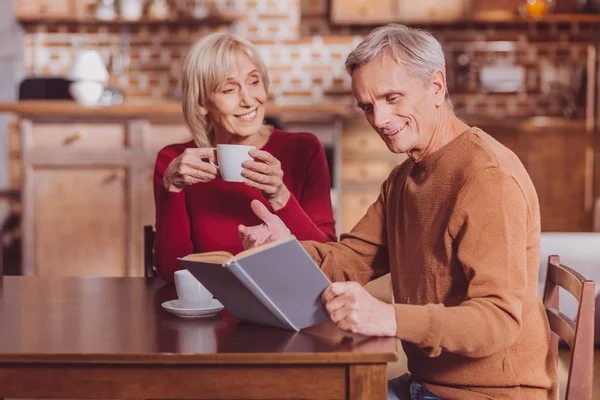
579,334
149,233
1,252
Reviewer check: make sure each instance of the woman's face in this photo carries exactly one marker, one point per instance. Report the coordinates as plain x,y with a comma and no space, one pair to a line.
237,107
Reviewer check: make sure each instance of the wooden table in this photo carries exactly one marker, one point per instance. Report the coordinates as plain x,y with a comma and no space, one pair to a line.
109,338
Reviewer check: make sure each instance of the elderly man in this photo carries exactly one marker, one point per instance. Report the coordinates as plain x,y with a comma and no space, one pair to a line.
457,225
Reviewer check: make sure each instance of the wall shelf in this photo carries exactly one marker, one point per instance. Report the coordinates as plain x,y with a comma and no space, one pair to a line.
506,19
215,19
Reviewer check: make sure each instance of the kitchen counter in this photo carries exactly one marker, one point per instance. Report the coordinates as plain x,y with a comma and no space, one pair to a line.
152,110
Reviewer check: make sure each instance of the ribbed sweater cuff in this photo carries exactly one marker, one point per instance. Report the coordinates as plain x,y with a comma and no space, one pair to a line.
289,213
172,202
413,323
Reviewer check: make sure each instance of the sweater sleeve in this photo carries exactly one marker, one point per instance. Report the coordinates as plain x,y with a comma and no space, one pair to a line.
360,255
172,237
311,216
489,227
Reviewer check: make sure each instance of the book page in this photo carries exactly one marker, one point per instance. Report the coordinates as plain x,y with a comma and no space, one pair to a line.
255,250
217,257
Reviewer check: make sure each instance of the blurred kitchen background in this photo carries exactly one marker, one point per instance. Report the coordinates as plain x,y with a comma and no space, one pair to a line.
89,93
75,180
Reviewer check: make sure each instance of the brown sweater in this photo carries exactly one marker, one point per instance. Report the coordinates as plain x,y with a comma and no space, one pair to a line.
459,232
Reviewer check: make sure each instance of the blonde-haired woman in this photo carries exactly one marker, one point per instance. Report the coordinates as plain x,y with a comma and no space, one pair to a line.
225,85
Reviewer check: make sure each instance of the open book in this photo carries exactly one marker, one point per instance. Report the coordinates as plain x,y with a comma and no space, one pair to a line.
277,284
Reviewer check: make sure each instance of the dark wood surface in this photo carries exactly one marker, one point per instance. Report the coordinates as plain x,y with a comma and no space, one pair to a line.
71,337
121,320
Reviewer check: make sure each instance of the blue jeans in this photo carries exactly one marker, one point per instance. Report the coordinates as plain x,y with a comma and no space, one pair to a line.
403,388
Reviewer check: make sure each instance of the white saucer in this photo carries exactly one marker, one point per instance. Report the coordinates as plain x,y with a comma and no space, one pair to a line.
174,307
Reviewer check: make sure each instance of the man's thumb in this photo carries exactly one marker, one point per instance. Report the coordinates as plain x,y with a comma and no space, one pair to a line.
261,211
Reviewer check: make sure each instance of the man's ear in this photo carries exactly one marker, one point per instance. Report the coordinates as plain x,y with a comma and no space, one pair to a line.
438,86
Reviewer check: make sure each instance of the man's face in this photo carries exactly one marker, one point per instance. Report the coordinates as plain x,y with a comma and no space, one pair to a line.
398,105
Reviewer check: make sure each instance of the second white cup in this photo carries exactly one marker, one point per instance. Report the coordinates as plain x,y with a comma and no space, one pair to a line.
191,293
230,158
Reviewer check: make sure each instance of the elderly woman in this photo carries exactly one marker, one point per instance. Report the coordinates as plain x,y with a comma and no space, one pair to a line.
225,85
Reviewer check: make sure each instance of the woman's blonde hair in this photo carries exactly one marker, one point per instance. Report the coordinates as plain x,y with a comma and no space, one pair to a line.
205,68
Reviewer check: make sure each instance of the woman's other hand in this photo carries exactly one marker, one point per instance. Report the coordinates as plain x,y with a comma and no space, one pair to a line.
266,176
189,168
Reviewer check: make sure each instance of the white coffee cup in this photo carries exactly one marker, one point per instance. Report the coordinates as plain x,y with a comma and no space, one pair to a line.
191,293
230,158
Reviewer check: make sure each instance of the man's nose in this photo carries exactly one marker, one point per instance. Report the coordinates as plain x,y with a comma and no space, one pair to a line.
381,117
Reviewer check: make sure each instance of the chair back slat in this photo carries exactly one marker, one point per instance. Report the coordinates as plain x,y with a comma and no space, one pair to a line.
578,334
1,252
148,251
568,279
562,325
581,369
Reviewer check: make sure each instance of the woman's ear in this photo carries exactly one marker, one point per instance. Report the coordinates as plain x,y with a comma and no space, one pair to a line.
438,86
203,110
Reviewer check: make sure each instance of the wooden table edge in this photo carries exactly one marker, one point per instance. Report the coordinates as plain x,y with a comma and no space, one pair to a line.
170,358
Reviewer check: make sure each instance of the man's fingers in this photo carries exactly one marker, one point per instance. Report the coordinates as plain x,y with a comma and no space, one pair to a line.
249,242
243,231
261,211
337,289
335,304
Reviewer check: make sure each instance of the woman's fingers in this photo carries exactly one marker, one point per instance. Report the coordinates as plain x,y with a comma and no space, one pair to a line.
261,178
200,153
264,156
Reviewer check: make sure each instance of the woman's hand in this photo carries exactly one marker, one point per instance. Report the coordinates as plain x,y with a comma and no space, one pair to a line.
189,168
266,176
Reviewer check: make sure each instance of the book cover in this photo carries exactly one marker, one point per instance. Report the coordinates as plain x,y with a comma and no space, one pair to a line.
277,284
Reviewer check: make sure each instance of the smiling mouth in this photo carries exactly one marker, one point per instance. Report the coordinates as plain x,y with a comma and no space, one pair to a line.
247,117
394,132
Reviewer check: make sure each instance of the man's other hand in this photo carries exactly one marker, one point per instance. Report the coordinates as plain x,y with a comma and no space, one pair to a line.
353,309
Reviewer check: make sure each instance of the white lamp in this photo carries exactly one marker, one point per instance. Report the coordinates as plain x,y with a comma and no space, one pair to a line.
89,76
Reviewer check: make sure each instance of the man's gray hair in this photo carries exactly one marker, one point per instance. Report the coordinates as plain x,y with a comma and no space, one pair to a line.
416,49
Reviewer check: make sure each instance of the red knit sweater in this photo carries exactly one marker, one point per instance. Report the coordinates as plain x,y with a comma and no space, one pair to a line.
205,216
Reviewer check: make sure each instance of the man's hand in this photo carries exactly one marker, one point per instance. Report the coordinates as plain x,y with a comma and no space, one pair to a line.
353,309
270,230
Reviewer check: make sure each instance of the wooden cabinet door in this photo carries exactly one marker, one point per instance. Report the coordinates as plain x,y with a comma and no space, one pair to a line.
157,136
76,221
363,11
560,164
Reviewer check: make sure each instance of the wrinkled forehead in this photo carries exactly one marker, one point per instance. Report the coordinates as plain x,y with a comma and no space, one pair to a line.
234,63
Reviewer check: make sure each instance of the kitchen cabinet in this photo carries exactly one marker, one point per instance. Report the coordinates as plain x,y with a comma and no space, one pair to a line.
560,162
79,197
377,12
365,11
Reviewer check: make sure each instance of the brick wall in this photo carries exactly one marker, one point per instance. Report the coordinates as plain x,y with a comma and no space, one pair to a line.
305,54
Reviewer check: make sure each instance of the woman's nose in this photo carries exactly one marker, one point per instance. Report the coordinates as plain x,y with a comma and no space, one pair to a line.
245,97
